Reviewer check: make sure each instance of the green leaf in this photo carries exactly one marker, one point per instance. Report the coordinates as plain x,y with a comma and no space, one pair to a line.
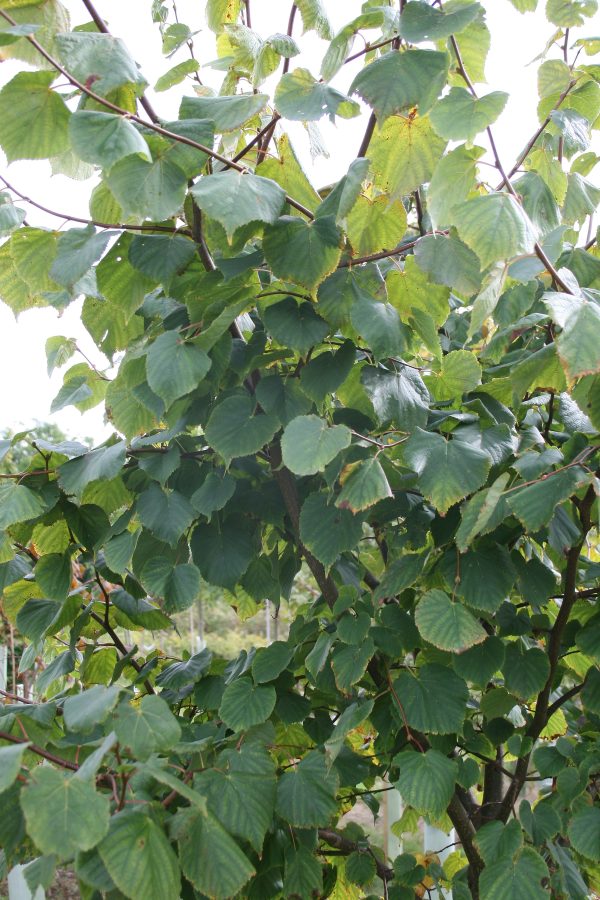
426,780
139,611
53,574
174,366
181,674
210,859
525,671
300,97
577,343
398,397
584,832
353,716
360,868
10,764
303,873
146,727
167,514
446,260
460,373
36,617
178,585
534,505
309,444
363,484
18,504
399,81
306,792
375,225
314,18
139,858
516,879
420,22
176,74
448,470
434,699
452,181
302,252
445,624
100,60
495,227
63,813
35,119
481,662
97,465
295,325
569,13
11,216
215,493
103,138
234,430
223,551
244,704
84,711
461,117
154,190
400,574
271,661
349,664
227,112
240,792
404,153
538,202
485,577
76,251
58,351
234,199
160,256
326,530
343,197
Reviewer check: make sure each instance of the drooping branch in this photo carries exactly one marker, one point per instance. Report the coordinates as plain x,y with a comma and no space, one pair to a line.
539,250
33,748
70,218
152,126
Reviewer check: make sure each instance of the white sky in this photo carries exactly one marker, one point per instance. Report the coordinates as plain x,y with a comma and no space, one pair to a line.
26,390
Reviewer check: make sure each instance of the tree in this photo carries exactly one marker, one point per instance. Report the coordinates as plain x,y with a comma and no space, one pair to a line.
395,381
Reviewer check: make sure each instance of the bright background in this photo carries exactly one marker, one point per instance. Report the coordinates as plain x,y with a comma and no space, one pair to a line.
27,392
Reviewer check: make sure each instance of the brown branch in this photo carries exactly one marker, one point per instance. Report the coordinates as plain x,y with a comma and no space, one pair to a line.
564,698
79,219
539,251
542,708
164,132
33,748
287,487
257,137
345,846
364,145
369,47
533,140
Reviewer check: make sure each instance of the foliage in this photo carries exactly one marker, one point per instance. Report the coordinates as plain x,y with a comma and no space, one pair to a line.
393,382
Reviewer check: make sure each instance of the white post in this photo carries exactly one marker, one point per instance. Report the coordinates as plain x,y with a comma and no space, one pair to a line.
392,812
268,620
18,889
3,667
442,843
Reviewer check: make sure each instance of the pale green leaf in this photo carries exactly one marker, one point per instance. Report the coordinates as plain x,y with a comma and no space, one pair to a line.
447,624
309,444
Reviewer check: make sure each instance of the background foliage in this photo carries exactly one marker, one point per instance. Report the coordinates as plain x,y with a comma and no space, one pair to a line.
394,381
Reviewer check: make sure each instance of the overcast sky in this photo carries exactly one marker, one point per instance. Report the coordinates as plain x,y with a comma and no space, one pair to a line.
26,390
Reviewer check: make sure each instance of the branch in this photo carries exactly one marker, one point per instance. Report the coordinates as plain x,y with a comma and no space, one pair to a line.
539,251
369,47
364,146
542,708
564,698
70,218
152,126
346,846
64,763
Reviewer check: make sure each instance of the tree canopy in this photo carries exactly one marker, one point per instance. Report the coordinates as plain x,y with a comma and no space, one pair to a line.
393,381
